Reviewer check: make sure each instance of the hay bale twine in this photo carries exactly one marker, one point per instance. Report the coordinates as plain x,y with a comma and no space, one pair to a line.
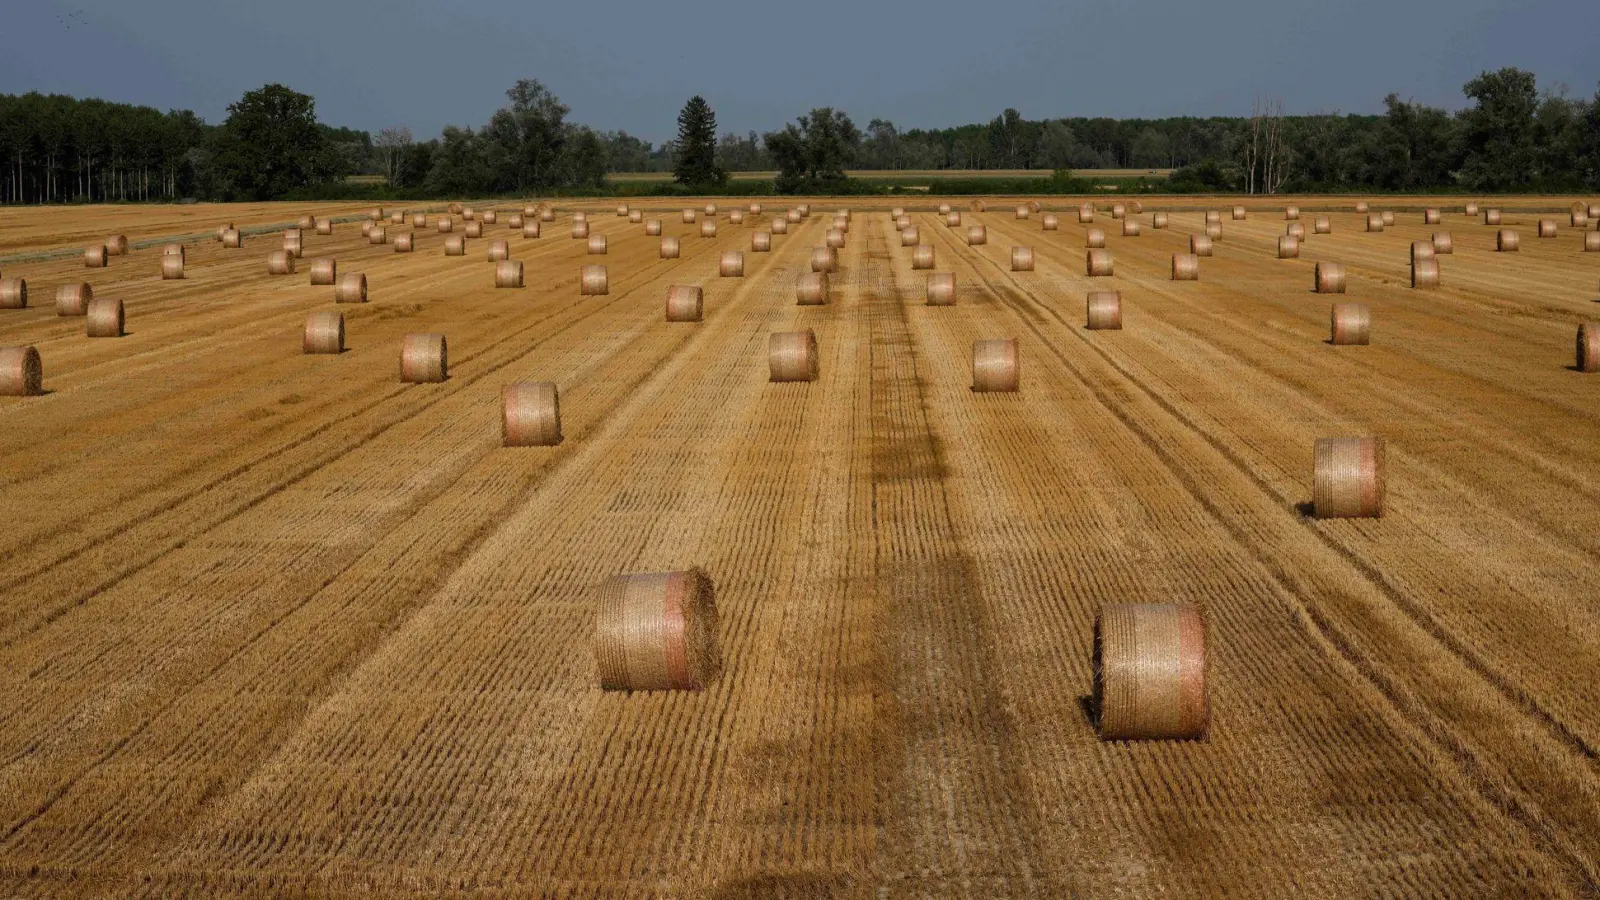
922,256
404,243
530,414
352,288
1238,214
1022,259
1491,217
1430,216
669,247
117,245
688,216
455,245
21,372
1295,230
1375,223
1150,672
1387,216
953,220
489,217
14,291
1425,273
580,231
1506,241
1361,206
280,262
1130,227
1348,478
424,359
1185,267
1470,209
1119,211
1589,347
419,220
944,209
324,333
1591,242
910,237
1421,250
824,259
508,273
1097,263
1288,247
1547,228
731,264
96,257
1350,324
657,632
793,216
1023,212
171,268
73,299
811,289
499,250
596,245
1322,225
760,242
530,229
1442,244
780,226
1050,222
1085,214
994,365
1094,238
324,226
1328,278
834,238
1199,245
685,303
977,235
941,289
708,228
1213,217
1104,310
594,283
1214,231
1159,220
105,318
1291,213
792,356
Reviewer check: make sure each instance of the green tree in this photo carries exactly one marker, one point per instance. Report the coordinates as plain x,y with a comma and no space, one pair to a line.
533,132
269,145
811,153
1497,133
697,146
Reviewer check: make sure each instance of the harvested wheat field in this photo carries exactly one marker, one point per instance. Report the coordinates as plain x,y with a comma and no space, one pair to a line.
278,623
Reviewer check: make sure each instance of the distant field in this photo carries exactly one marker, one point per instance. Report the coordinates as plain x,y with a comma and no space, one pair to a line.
897,174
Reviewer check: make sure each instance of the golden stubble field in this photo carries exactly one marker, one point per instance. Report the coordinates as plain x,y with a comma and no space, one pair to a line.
279,625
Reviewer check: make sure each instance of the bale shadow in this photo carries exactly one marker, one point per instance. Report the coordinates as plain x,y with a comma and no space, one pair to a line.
1306,509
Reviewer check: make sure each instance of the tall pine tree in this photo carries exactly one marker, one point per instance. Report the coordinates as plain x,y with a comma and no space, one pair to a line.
697,146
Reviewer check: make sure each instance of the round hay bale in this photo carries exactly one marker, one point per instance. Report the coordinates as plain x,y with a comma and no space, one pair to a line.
1506,241
1185,267
1361,206
117,245
977,206
1589,347
708,228
514,221
1348,478
688,216
174,250
1094,239
622,210
1022,259
530,229
1119,211
530,211
780,226
1130,227
942,289
896,212
793,217
222,230
1098,263
508,273
324,271
324,226
1295,230
419,220
1023,212
1213,217
652,227
324,333
922,256
14,291
1430,216
96,257
1159,220
105,318
1547,228
1425,273
1491,217
469,214
1238,214
595,283
580,216
375,213
294,248
824,259
1387,216
1322,225
1288,247
685,303
657,632
912,237
454,208
381,236
1442,244
994,365
1375,223
73,299
171,268
455,245
352,288
1594,211
834,238
1105,310
1199,245
1350,324
597,245
977,235
760,242
499,250
445,225
792,356
1471,209
404,243
1580,220
669,247
953,220
902,223
530,414
1050,222
1328,278
489,217
423,359
735,217
1214,231
232,239
580,231
841,224
280,262
811,289
731,264
1150,672
21,372
1421,250
397,218
1591,242
711,210
1036,206
944,209
635,216
547,214
804,210
755,209
1085,214
1291,213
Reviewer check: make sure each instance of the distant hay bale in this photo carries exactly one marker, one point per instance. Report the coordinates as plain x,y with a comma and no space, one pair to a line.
324,271
1591,242
1213,217
1085,214
352,288
910,237
21,372
953,220
375,213
1430,216
489,217
1471,209
1022,259
580,231
902,223
977,235
455,245
1361,206
594,283
1035,206
994,365
652,228
977,206
780,226
294,246
95,257
731,264
1328,278
1185,267
1214,231
755,209
14,291
1425,273
468,214
424,359
508,273
514,221
1238,214
445,225
1388,217
73,299
735,217
1023,212
824,259
1594,211
498,250
1050,222
280,262
547,214
530,414
1150,672
841,224
834,238
117,245
1589,347
944,209
708,228
1097,263
419,220
1094,239
596,245
222,230
1374,223
381,236
760,242
711,210
635,216
324,226
396,218
1288,247
1199,245
1422,250
1135,207
1104,310
455,209
366,228
657,632
1119,211
792,356
105,318
1442,244
684,303
811,289
403,243
324,333
530,229
1547,228
1322,225
1348,478
1158,220
896,212
530,211
1291,213
1130,227
1506,241
1579,220
622,210
922,256
688,216
1350,324
1491,217
793,216
941,289
669,247
1295,230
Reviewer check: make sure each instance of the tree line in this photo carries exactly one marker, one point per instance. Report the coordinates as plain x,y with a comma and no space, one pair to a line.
1510,137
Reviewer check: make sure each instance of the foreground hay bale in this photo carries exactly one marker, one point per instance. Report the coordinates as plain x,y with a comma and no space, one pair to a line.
755,209
977,206
14,293
105,318
498,250
455,245
941,289
669,247
652,227
489,217
1213,217
594,283
735,217
174,250
352,288
455,208
73,299
1350,324
508,273
1547,228
1023,212
977,235
1288,247
1491,217
1425,273
841,224
222,230
811,289
1035,205
1185,267
1150,672
922,257
793,216
902,223
824,259
1050,222
657,632
1199,245
324,271
635,216
404,243
547,214
1022,259
1119,211
596,245
96,257
708,228
375,213
1589,347
994,365
515,221
1094,239
397,217
469,214
280,262
1507,241
424,359
731,264
910,237
1328,278
324,333
622,210
760,242
1579,220
1295,230
896,212
1322,225
685,303
944,209
21,372
711,210
530,414
1348,478
1104,310
1159,220
792,356
1097,263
